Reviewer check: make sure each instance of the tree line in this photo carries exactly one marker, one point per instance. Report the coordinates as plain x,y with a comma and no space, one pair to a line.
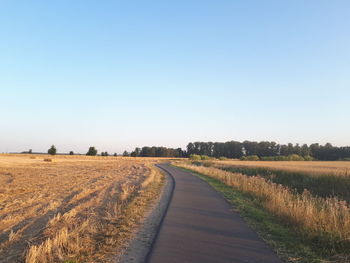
154,151
53,151
235,149
249,150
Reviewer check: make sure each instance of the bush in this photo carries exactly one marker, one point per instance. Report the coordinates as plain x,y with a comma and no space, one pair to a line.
308,158
250,158
292,157
47,160
222,158
195,157
71,153
52,150
205,157
92,151
295,157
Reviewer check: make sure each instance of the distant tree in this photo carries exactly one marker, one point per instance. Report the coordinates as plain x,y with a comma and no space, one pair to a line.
115,154
180,153
195,157
106,154
30,151
136,152
52,150
250,148
92,151
125,153
305,151
71,153
190,148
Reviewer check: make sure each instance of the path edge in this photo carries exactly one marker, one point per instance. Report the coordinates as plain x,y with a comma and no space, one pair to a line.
144,239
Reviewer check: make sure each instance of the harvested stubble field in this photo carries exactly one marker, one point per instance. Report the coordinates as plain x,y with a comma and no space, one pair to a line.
76,208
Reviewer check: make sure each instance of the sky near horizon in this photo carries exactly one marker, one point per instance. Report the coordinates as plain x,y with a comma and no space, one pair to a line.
121,74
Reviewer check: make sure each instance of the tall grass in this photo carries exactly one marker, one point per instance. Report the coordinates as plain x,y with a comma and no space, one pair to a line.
325,220
318,184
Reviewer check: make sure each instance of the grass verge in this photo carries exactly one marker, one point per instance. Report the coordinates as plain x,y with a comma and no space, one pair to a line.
290,245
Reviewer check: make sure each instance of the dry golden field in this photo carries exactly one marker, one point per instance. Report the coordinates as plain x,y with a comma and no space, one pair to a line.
312,167
54,209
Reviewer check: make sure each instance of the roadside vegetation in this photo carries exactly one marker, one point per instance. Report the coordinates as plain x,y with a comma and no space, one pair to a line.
316,177
73,209
320,226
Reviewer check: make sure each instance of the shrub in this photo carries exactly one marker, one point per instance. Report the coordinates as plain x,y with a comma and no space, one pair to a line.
292,157
222,158
195,157
205,157
308,158
71,153
92,151
52,150
250,158
295,157
47,160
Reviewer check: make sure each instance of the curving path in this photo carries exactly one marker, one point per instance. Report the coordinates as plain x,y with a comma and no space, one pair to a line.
200,226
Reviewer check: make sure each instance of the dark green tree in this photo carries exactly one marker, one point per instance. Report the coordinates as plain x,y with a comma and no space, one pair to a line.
71,153
52,150
92,151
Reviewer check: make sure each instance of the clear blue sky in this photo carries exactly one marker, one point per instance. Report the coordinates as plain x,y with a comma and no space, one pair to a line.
120,74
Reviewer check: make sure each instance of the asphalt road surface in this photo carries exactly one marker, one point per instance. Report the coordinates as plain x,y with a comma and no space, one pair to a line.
200,226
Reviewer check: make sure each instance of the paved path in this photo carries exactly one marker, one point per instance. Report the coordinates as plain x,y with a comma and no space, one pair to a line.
201,227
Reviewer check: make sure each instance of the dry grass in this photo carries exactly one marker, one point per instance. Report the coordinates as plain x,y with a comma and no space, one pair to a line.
325,219
71,208
324,179
311,167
